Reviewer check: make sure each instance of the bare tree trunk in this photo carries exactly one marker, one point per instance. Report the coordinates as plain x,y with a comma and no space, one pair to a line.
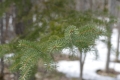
112,11
81,66
112,7
105,5
108,54
82,61
2,42
80,5
7,26
118,39
118,26
91,4
19,28
109,29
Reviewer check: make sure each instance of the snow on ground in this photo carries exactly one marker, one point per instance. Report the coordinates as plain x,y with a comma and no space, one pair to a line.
71,68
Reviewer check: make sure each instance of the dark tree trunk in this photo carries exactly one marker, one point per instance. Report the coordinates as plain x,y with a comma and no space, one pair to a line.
19,28
105,5
2,42
82,61
81,66
108,54
7,26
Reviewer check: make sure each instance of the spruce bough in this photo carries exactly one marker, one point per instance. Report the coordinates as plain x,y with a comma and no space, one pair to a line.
31,52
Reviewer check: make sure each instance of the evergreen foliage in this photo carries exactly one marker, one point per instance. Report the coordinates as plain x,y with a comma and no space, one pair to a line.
61,27
29,53
32,52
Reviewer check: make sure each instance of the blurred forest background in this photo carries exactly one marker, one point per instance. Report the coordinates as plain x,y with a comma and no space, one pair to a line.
26,25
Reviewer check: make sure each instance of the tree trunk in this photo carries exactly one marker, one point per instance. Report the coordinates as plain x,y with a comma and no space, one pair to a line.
7,26
2,42
105,5
112,11
91,5
19,28
118,26
82,61
112,7
80,5
118,39
81,66
108,54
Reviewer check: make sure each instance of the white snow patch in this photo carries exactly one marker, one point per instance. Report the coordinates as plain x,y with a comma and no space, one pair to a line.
9,55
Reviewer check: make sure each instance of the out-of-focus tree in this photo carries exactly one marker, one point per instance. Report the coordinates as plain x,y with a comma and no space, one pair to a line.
114,12
118,26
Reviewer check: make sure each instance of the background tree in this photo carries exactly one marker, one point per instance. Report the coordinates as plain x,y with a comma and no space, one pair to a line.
118,24
2,42
109,29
